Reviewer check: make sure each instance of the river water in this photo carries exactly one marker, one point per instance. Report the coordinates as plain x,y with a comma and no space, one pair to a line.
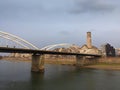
18,76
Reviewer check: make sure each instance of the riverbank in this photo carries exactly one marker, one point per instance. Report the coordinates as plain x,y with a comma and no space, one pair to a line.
106,63
103,63
16,59
61,61
104,66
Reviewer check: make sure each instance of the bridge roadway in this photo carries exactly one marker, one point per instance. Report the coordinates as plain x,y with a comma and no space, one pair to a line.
38,56
31,51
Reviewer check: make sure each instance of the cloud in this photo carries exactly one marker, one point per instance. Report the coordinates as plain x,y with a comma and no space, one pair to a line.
91,6
39,7
52,10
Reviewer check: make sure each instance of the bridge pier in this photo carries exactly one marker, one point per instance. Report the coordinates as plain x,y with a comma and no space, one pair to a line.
86,60
80,60
37,63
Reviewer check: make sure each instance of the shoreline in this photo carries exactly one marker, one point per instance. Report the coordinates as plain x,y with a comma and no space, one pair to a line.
97,66
47,61
104,66
104,63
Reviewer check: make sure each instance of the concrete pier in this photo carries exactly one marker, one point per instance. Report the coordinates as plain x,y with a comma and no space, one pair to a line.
37,63
80,60
86,60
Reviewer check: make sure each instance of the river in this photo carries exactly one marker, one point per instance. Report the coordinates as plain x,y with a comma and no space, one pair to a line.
18,76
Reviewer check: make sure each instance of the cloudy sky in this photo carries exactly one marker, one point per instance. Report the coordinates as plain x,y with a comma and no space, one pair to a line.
45,22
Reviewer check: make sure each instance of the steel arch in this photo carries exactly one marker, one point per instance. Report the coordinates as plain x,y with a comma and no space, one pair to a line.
55,45
17,40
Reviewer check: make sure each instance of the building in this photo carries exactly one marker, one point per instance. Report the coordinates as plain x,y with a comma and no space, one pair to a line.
88,48
108,50
117,50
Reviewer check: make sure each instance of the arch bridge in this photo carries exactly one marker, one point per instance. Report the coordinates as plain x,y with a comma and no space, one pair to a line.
10,40
38,54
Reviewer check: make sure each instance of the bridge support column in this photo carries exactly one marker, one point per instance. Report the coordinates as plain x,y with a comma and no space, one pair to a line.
37,63
80,60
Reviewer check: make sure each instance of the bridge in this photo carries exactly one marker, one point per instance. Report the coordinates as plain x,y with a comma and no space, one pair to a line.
38,54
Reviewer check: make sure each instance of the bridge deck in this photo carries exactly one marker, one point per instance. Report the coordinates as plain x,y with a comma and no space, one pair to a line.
31,51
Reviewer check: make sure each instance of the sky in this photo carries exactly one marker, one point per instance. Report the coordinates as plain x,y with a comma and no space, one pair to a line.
46,22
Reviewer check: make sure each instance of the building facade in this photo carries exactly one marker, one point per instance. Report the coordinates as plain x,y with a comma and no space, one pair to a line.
108,50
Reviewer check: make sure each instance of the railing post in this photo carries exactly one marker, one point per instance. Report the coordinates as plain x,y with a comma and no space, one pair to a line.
80,60
37,63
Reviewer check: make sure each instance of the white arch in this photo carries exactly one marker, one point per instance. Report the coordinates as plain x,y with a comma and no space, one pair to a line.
17,40
56,45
